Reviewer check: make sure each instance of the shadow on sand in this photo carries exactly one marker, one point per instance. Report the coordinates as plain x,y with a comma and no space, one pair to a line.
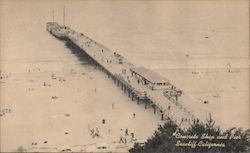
84,58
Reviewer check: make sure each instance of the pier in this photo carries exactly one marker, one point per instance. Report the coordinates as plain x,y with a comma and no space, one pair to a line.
143,86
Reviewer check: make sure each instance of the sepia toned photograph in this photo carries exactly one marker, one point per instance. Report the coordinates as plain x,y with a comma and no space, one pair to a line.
124,76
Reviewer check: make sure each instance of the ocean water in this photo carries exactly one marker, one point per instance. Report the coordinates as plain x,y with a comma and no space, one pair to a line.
192,45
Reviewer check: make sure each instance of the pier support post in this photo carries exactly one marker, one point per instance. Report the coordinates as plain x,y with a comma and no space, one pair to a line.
138,100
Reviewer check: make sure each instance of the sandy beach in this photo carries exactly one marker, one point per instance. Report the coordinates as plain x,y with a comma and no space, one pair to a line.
61,101
52,101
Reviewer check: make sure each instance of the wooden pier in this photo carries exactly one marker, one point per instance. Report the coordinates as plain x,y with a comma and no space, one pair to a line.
163,102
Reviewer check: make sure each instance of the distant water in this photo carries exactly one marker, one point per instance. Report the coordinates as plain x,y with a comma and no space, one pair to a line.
172,39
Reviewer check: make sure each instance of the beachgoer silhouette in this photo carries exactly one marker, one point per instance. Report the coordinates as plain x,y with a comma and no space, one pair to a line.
133,115
132,135
121,139
125,140
126,132
92,131
205,102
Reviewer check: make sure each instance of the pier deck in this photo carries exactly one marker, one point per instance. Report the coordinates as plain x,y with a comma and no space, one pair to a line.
120,73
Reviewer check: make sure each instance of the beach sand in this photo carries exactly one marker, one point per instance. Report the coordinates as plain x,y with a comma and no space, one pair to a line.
61,101
56,114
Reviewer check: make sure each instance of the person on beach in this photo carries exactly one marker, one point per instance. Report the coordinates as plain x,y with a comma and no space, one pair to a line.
133,115
121,139
113,105
126,132
132,137
97,130
92,131
125,140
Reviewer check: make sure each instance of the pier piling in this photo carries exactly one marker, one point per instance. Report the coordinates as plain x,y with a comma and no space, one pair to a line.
116,67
